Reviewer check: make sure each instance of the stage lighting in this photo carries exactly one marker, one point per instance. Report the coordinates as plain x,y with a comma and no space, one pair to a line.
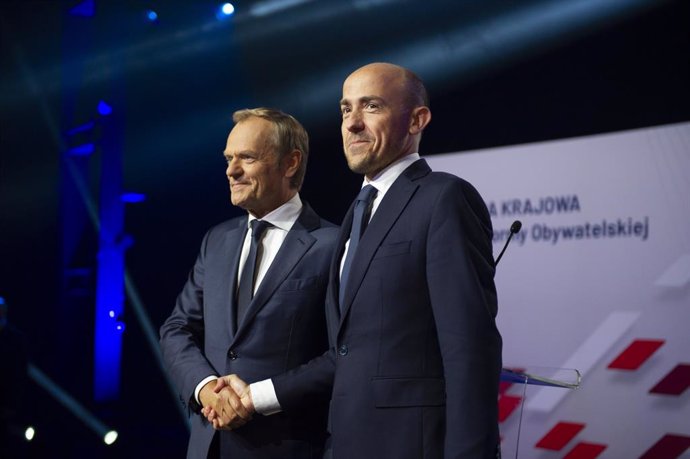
110,437
82,150
104,109
29,433
225,11
151,15
133,198
81,128
111,314
266,7
120,326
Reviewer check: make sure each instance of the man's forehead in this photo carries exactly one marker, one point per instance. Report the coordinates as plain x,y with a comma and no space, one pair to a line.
246,136
371,85
360,99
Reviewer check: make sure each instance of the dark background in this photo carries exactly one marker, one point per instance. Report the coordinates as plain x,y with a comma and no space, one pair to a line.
499,73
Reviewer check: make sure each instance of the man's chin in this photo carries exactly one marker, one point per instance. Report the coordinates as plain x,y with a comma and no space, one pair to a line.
358,163
237,201
360,167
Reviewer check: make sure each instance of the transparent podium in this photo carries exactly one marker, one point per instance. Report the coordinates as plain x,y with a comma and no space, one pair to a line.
517,386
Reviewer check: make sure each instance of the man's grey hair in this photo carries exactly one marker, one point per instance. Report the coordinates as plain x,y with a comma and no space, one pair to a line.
290,135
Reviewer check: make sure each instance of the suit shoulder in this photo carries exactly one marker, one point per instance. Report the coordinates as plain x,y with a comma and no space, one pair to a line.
325,224
223,227
451,190
326,231
445,180
229,224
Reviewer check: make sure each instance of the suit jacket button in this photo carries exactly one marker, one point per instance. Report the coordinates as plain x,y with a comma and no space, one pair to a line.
233,355
342,350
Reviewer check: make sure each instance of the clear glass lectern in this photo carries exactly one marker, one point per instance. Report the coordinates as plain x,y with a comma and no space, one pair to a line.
517,385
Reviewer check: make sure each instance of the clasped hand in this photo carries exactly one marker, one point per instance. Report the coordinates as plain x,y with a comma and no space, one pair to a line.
227,402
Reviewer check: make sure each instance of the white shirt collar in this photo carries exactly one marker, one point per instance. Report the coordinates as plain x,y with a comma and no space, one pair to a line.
384,179
282,217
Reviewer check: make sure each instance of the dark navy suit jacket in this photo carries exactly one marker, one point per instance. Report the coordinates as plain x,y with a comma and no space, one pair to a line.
284,327
415,356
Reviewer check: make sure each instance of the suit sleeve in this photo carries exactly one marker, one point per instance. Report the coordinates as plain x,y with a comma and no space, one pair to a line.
303,385
182,335
460,272
312,381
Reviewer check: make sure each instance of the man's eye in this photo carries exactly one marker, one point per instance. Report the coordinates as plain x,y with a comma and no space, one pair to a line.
371,106
345,110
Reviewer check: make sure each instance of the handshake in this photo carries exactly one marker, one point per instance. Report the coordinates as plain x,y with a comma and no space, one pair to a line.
227,402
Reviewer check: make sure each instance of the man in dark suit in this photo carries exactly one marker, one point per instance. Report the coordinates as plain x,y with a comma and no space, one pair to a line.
415,355
253,303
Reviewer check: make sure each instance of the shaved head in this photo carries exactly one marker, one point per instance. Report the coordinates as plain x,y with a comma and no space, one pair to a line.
407,82
384,109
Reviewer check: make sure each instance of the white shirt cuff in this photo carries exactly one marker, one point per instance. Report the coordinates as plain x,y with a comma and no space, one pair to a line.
201,386
264,397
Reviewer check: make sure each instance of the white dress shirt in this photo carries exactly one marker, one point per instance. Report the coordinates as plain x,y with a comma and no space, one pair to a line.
282,219
263,392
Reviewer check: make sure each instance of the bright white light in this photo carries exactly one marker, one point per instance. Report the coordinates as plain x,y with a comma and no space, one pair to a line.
111,313
110,437
227,9
29,433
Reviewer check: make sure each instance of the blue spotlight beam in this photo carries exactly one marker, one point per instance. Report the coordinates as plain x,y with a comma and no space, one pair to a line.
110,275
69,402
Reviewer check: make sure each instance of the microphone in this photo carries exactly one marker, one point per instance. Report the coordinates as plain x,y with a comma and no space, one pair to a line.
514,229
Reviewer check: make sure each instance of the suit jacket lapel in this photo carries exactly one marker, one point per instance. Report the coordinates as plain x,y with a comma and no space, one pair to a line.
390,208
296,244
232,248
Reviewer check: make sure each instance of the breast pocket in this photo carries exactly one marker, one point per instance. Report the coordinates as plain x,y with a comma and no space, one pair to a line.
396,248
308,283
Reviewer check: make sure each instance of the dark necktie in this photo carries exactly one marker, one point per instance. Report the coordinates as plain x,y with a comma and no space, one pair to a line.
246,290
359,223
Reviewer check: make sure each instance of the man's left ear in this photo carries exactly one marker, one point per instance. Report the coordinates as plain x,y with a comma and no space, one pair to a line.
419,118
291,163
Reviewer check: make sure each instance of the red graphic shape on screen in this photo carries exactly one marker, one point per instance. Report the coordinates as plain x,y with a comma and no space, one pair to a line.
503,387
506,405
585,451
669,446
559,436
675,382
636,354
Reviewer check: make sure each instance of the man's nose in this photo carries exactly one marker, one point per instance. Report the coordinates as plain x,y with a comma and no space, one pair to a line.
354,122
233,170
